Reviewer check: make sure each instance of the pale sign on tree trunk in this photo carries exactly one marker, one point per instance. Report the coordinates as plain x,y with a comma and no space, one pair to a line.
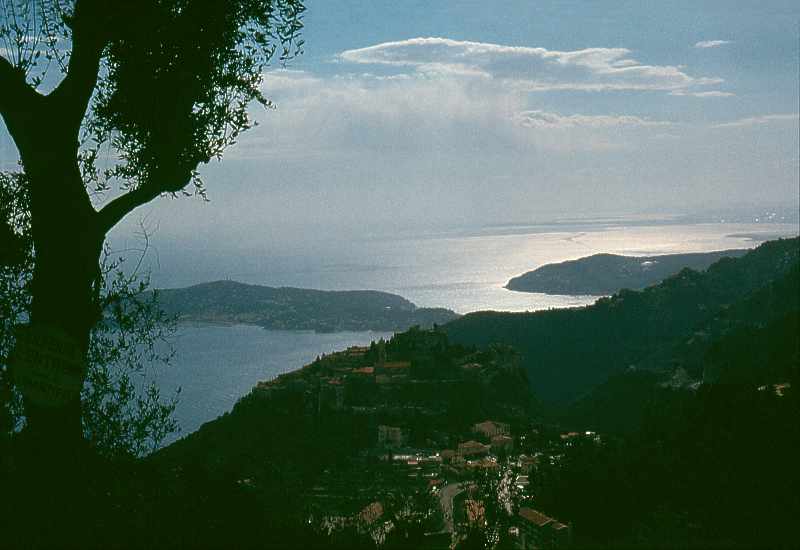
47,365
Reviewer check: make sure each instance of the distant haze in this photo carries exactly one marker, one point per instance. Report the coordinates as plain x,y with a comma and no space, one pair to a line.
460,114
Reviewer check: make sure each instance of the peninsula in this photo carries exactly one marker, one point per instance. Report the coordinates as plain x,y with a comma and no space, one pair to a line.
286,308
605,274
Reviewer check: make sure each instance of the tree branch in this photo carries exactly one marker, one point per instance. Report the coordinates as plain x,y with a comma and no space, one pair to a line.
111,214
18,101
90,25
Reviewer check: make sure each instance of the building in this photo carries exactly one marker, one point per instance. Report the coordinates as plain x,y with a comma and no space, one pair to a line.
571,438
475,512
538,531
472,449
363,370
371,513
490,429
356,351
485,463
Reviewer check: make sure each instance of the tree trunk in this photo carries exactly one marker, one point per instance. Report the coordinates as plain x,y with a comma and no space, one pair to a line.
67,244
55,477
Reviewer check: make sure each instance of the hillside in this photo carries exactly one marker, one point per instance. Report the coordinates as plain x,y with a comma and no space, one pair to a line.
603,274
285,308
366,424
329,439
567,353
745,357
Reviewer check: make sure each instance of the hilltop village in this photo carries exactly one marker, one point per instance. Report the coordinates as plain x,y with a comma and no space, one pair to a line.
436,439
444,429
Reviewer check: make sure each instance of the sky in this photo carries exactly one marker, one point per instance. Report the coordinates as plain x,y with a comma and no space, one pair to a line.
459,113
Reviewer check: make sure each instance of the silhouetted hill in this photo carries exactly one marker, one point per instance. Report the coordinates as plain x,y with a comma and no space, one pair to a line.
753,343
569,352
761,310
602,274
289,308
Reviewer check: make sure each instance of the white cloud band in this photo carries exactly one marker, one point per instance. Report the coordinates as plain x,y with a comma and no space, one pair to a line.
705,44
527,68
760,120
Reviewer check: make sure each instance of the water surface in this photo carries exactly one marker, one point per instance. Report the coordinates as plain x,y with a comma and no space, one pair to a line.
216,365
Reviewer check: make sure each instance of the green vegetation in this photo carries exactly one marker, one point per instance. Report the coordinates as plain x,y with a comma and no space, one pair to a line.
304,449
298,309
603,274
698,407
571,351
711,468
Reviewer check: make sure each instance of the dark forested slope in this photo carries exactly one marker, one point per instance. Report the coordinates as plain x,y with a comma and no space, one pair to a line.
569,352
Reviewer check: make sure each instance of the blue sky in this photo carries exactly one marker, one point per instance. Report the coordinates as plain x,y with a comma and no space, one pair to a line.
760,61
464,113
482,112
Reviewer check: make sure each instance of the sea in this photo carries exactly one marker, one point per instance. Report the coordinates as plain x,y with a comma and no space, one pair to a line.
461,269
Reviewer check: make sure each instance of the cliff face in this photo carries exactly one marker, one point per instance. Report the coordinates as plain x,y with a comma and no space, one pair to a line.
603,274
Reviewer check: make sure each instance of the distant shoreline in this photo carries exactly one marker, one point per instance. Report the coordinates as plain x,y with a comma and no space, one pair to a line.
760,237
606,274
193,323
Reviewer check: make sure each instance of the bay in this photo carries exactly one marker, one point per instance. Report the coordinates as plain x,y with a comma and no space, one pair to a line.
214,366
462,270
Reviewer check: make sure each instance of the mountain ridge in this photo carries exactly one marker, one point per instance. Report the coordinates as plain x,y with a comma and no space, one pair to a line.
568,352
603,274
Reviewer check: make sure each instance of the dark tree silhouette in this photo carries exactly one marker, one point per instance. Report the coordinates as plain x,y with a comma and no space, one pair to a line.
123,415
154,88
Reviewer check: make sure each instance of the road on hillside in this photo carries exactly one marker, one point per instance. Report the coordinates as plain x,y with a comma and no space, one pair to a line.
446,496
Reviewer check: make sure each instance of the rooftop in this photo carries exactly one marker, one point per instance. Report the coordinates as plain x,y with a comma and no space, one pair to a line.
535,517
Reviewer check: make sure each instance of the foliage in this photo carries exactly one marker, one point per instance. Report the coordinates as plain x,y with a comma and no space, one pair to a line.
124,413
700,465
123,417
205,57
16,265
716,468
30,35
209,56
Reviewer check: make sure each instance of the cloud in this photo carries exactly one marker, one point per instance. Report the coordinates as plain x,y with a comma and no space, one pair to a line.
542,119
705,44
711,93
526,68
423,115
760,120
379,113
